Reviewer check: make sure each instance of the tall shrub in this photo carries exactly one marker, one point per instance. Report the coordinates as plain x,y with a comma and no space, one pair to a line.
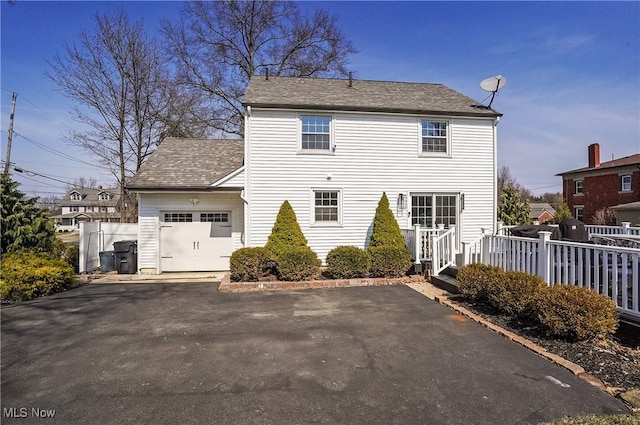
386,231
286,234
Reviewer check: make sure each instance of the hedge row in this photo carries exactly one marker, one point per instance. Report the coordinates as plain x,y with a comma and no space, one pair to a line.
566,311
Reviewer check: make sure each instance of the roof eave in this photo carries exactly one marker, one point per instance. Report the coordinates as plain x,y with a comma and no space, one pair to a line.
181,189
488,114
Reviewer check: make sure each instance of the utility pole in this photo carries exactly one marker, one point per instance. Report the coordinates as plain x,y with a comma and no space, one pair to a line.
14,96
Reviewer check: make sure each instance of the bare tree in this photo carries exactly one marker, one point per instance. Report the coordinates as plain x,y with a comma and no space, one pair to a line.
83,183
113,72
220,45
506,179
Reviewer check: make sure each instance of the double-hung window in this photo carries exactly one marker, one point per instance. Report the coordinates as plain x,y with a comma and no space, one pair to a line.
626,183
434,137
326,206
578,187
75,196
578,213
316,133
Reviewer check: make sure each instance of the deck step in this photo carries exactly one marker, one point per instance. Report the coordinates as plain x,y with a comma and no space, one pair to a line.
446,282
451,271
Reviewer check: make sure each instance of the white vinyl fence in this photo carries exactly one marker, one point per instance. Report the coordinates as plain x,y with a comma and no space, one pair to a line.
608,270
96,237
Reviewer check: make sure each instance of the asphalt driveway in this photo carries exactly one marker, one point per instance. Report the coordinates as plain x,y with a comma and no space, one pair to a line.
186,353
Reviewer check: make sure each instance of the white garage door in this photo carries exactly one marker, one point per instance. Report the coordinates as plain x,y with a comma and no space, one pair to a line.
195,241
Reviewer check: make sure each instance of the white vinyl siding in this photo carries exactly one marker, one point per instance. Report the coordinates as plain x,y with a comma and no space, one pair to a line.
374,153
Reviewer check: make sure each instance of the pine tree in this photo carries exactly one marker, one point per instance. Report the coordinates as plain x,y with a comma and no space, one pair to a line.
386,231
24,226
513,211
286,233
562,212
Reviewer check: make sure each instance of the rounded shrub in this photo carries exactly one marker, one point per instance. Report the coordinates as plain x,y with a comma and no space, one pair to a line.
249,264
346,262
67,252
576,313
516,293
389,261
27,275
478,281
298,264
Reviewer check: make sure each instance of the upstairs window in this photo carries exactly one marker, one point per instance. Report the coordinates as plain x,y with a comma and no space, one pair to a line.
316,133
578,189
435,137
626,183
104,196
75,196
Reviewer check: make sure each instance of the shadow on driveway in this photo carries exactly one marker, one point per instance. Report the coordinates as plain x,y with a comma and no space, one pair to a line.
186,353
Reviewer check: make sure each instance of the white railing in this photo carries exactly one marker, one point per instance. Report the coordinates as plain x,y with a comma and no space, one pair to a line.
97,236
472,252
418,242
624,229
443,248
609,270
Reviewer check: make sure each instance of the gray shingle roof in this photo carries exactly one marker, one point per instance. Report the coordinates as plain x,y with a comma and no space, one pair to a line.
90,197
364,95
189,164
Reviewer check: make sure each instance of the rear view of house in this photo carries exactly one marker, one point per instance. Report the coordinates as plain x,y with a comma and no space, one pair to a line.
331,147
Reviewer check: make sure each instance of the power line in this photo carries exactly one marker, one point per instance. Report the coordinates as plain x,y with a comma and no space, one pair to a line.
54,151
33,173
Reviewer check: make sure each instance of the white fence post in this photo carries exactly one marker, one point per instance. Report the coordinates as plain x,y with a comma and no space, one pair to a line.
544,259
484,253
417,243
452,244
625,227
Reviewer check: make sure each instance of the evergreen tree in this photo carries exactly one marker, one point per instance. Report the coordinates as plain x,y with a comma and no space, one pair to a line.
562,212
24,226
286,233
513,211
386,231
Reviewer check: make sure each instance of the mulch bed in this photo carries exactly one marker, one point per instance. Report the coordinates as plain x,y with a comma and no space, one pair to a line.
615,360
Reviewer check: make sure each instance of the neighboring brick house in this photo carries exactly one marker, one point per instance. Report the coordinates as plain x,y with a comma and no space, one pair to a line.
541,212
601,184
82,204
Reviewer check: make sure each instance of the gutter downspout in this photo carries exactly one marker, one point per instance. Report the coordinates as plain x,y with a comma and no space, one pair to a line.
495,171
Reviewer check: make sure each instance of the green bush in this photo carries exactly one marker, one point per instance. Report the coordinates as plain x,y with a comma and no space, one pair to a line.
249,264
516,293
576,313
389,261
478,281
285,234
27,275
386,231
346,262
67,252
298,264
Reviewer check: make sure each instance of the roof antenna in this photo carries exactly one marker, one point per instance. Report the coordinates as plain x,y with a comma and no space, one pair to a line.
266,74
350,79
493,84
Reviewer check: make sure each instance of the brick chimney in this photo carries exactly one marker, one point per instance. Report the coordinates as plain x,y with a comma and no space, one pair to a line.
594,155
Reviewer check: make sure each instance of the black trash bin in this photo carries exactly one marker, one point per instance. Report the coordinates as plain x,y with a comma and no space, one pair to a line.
126,256
107,261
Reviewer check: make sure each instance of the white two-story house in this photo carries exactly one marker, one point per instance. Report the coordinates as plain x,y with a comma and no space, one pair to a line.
82,205
331,147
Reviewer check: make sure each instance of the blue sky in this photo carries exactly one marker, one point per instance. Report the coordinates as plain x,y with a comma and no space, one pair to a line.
572,69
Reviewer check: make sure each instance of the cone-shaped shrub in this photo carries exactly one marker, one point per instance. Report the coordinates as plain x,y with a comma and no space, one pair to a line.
286,234
386,231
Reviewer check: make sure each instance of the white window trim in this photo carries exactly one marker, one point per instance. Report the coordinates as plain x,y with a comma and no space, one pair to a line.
433,195
622,189
75,196
578,207
332,146
312,210
575,189
446,154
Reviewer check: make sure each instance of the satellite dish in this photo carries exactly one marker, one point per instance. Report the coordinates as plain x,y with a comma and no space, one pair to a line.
493,84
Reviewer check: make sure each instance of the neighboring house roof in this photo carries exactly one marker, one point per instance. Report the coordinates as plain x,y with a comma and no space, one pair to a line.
90,197
630,206
620,162
189,164
537,208
362,95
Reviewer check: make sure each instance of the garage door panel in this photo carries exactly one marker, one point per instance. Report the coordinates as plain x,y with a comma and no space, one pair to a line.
195,246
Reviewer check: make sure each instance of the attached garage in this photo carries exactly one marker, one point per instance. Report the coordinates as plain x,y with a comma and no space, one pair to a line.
190,208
